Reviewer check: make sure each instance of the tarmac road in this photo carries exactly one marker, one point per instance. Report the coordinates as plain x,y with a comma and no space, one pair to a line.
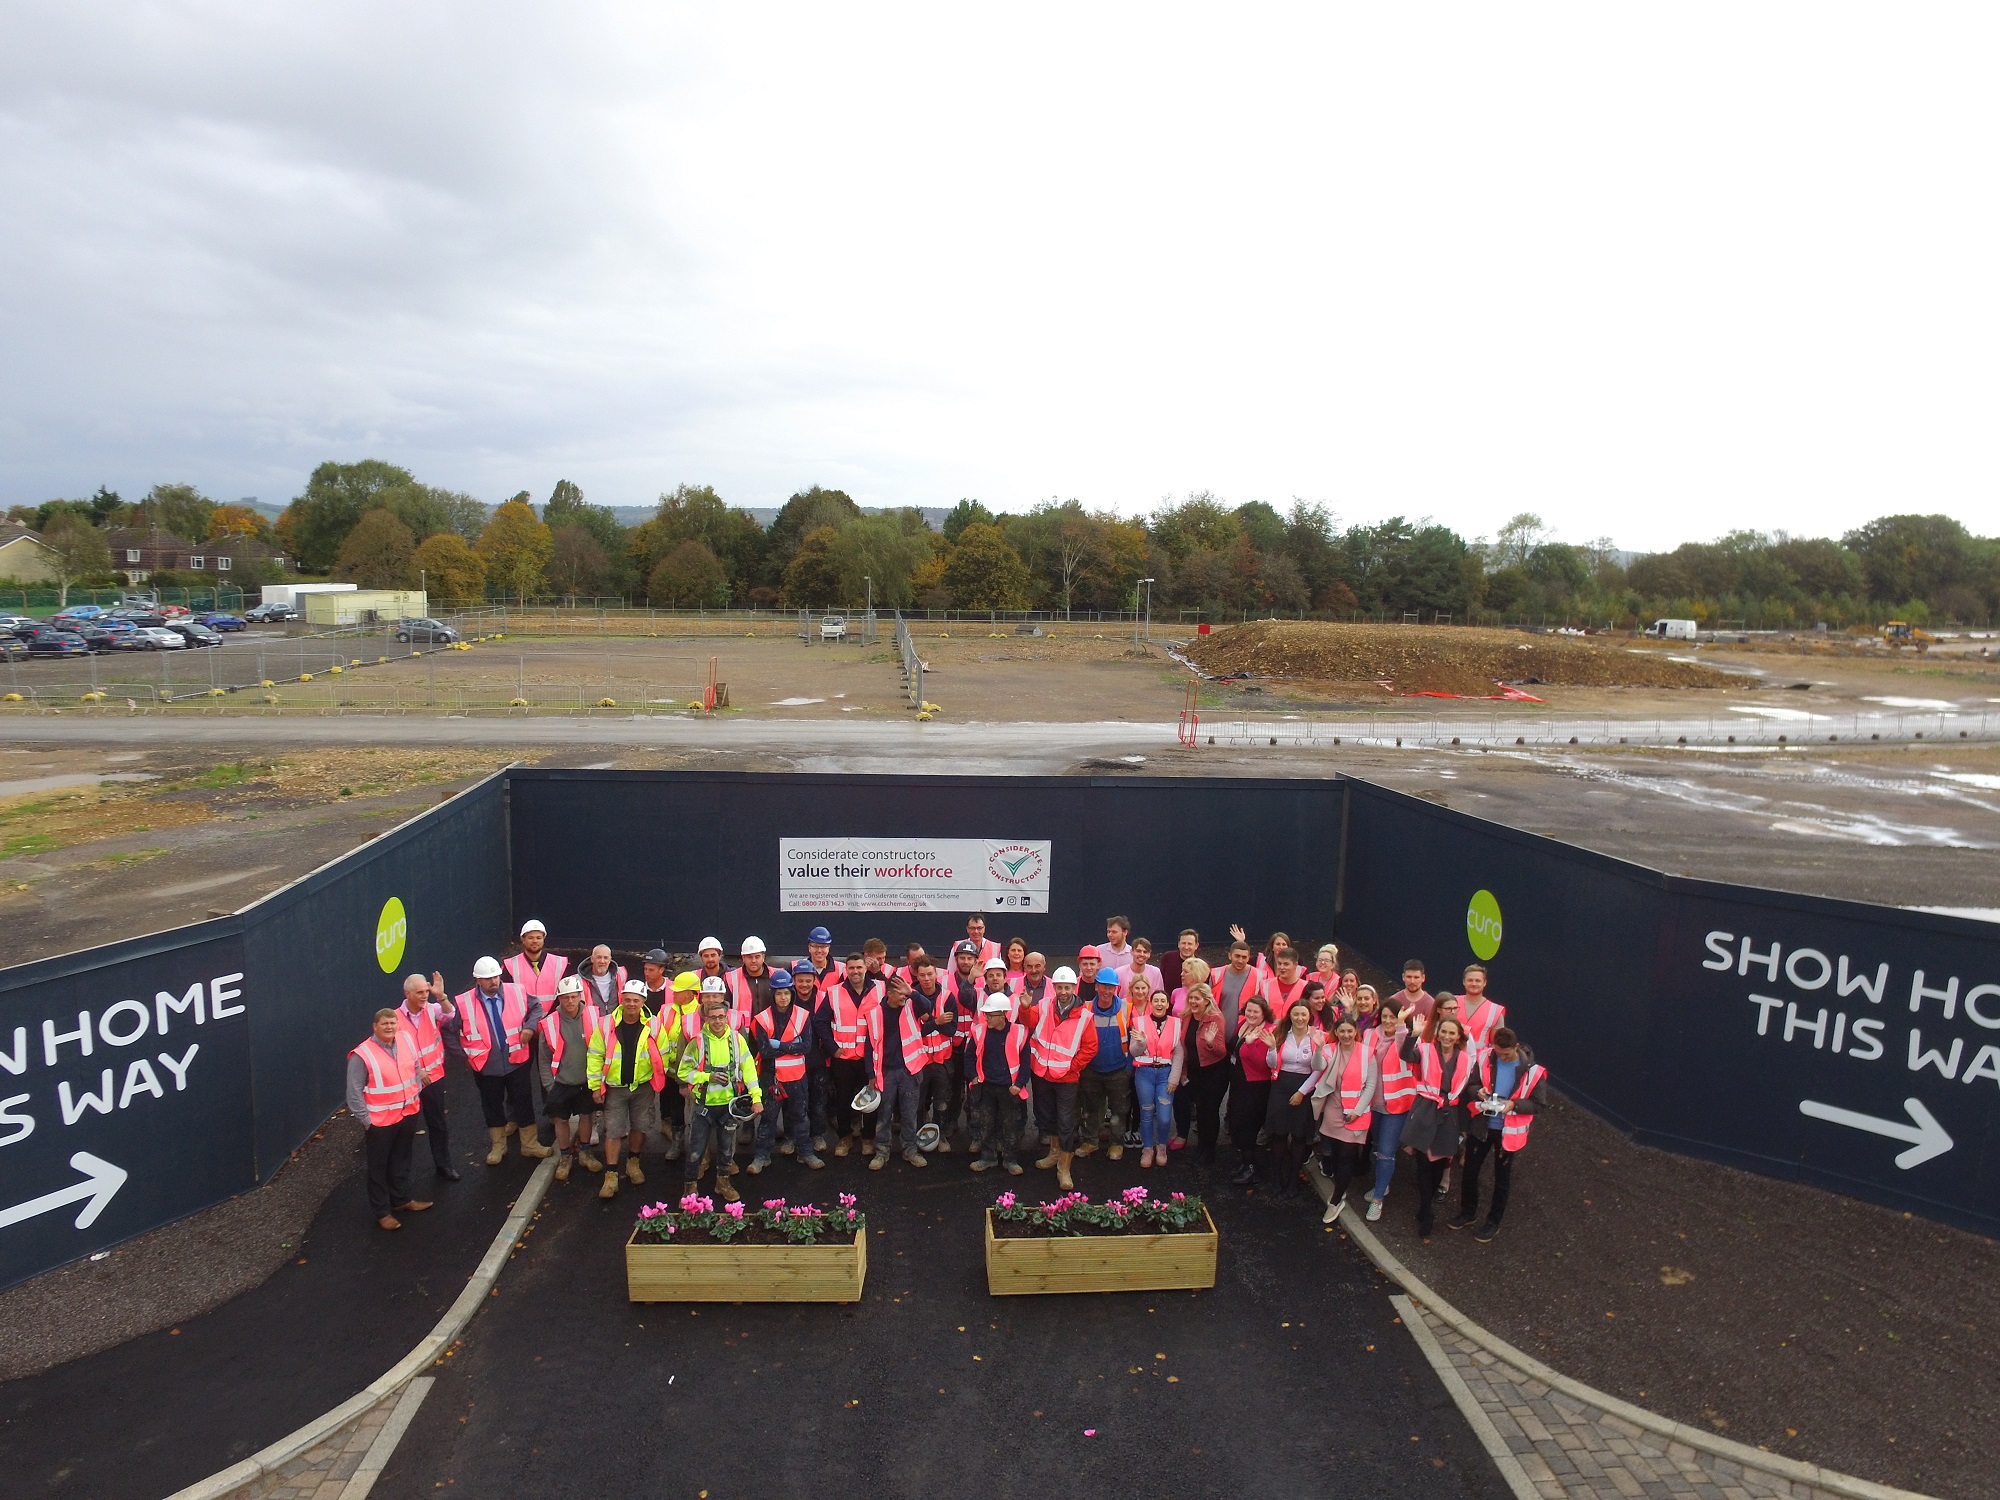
1289,1378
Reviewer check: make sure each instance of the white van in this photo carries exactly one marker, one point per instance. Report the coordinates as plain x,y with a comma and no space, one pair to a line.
1671,630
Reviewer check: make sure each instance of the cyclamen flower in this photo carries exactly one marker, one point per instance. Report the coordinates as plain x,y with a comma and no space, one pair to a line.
693,1204
1005,1200
774,1204
1180,1197
734,1210
847,1200
650,1213
1135,1195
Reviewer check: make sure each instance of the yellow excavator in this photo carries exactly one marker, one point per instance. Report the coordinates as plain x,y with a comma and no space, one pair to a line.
1897,634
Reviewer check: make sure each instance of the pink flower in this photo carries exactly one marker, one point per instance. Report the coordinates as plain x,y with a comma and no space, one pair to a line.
734,1210
649,1213
1180,1197
847,1200
1005,1200
774,1204
694,1204
1135,1195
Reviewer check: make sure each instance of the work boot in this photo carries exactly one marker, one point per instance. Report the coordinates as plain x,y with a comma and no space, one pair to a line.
842,1146
757,1164
589,1160
497,1134
878,1161
610,1188
1013,1167
1063,1179
1050,1160
1085,1148
915,1157
985,1163
819,1143
673,1146
533,1149
1117,1151
786,1148
632,1173
509,1128
944,1145
813,1161
563,1166
727,1193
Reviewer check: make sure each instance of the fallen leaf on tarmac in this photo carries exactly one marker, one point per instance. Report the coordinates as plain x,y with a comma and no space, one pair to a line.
1173,1380
1675,1276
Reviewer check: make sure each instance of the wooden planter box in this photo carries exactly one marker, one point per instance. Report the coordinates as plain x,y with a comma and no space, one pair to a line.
1100,1263
745,1273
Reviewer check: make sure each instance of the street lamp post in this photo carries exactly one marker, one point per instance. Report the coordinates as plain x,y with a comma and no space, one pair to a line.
1147,583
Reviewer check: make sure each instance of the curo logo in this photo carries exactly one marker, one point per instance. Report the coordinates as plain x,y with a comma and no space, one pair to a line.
392,933
1482,925
1015,864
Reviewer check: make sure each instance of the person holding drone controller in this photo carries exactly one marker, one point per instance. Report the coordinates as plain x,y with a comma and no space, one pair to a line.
721,1075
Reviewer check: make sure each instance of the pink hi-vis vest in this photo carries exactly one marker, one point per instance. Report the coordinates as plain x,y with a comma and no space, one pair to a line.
791,1066
1486,1018
1158,1040
1016,1034
537,983
916,1048
1053,1047
741,1001
1399,1084
550,1027
393,1080
472,1024
1430,1073
421,1026
850,1018
1513,1128
1281,996
1349,1084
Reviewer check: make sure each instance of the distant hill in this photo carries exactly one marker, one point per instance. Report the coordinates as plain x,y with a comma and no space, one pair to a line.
764,515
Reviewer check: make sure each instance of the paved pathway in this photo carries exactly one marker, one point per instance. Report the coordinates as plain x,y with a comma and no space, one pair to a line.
346,1465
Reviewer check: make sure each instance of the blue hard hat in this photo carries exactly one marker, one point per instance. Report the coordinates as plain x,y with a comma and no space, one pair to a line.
804,966
781,979
819,935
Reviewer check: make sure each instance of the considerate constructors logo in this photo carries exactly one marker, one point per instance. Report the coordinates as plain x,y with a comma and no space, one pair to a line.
1015,864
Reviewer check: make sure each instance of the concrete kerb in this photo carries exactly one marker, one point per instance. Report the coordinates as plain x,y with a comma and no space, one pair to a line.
1755,1460
441,1337
1475,1416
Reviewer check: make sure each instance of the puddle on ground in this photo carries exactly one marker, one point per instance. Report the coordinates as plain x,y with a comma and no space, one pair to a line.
57,783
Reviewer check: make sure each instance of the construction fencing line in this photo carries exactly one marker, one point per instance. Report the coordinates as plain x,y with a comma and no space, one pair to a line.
1748,733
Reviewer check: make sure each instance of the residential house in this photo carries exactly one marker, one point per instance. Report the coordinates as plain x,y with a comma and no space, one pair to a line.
138,553
24,556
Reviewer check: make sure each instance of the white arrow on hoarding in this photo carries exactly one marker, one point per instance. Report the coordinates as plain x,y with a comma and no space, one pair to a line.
1927,1138
100,1182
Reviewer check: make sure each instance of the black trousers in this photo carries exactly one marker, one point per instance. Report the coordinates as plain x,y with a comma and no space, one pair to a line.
506,1097
995,1112
1342,1160
1430,1173
1055,1111
847,1077
789,1111
817,1080
432,1099
1477,1149
1249,1102
1204,1094
941,1094
389,1150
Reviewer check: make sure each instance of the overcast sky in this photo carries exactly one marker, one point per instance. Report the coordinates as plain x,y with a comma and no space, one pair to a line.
1653,272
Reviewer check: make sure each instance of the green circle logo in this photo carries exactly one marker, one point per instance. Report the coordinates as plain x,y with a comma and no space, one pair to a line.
392,933
1482,925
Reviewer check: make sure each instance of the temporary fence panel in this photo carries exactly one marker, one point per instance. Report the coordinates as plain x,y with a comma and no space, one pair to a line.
1257,852
1852,1046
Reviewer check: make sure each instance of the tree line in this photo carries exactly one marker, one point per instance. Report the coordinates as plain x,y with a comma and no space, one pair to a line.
374,524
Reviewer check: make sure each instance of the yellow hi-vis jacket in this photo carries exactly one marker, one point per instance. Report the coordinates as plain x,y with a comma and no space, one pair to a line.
718,1068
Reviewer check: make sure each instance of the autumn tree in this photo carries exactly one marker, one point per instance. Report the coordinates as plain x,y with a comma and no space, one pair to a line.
379,553
516,548
179,509
688,577
812,581
336,496
983,572
226,521
450,569
76,552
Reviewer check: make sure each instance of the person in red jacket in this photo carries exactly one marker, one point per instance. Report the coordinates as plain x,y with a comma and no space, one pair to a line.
1060,1048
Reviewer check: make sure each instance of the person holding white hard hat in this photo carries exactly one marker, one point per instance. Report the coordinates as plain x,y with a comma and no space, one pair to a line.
1060,1048
496,1032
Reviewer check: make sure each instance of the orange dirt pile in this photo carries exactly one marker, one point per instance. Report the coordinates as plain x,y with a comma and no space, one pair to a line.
1436,658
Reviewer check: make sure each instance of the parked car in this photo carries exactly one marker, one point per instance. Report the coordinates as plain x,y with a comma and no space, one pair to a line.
57,643
216,621
12,647
10,622
833,628
130,640
193,634
84,611
159,638
175,611
270,614
139,619
98,639
430,632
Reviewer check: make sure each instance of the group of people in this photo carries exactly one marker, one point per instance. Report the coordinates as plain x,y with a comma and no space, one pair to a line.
987,1043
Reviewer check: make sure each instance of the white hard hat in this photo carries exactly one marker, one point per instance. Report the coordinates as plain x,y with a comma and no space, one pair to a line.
632,987
707,943
713,985
996,962
1064,975
993,1004
533,924
753,945
486,968
570,984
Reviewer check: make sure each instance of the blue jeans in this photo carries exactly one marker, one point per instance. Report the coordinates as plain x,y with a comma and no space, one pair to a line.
1388,1135
1156,1105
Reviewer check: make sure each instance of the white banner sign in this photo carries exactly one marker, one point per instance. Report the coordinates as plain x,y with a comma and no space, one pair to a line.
913,875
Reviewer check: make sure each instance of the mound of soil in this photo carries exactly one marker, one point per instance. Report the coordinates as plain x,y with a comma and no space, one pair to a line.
1434,658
